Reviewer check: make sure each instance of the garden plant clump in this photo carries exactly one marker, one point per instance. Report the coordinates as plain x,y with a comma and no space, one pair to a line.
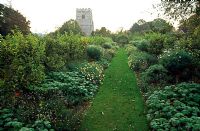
41,87
167,67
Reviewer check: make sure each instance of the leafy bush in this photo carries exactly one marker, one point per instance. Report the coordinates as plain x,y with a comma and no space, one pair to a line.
170,40
122,39
178,63
142,45
94,52
93,72
104,63
130,49
63,49
156,43
108,54
107,46
99,40
154,75
54,51
175,107
139,61
10,122
73,85
21,58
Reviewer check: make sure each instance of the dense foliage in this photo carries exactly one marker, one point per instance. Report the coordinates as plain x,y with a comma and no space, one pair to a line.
62,50
171,105
175,107
139,61
102,32
73,86
21,60
94,52
157,25
42,87
11,19
180,9
179,64
156,75
9,122
69,27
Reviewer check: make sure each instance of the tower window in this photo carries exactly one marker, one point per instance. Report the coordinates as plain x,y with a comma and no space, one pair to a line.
83,16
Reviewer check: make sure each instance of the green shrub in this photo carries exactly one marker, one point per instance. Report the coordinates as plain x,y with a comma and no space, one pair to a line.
108,54
10,122
169,41
139,61
123,39
94,52
22,57
63,49
93,72
107,46
73,85
130,49
142,45
178,63
104,63
99,40
156,43
175,107
54,59
154,75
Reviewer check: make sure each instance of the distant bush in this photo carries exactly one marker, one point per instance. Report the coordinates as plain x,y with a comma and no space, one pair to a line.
154,75
175,107
170,41
99,40
107,46
94,52
130,49
122,39
156,43
108,54
178,63
142,45
139,61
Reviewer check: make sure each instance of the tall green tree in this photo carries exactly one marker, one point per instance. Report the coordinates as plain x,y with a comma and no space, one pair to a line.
102,32
157,25
140,26
69,27
161,26
188,26
180,9
11,19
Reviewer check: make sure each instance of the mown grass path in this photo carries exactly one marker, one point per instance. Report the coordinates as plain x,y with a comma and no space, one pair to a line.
118,105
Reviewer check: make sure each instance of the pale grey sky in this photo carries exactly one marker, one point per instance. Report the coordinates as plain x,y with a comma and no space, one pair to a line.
47,15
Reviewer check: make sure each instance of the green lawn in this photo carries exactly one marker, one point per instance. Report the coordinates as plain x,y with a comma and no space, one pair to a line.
118,105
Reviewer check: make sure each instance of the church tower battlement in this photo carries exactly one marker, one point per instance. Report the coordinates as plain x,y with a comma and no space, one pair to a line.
85,20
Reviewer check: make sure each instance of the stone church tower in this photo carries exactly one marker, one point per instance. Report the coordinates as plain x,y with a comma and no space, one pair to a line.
85,21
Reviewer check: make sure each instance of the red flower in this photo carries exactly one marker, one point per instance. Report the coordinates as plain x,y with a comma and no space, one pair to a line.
17,93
